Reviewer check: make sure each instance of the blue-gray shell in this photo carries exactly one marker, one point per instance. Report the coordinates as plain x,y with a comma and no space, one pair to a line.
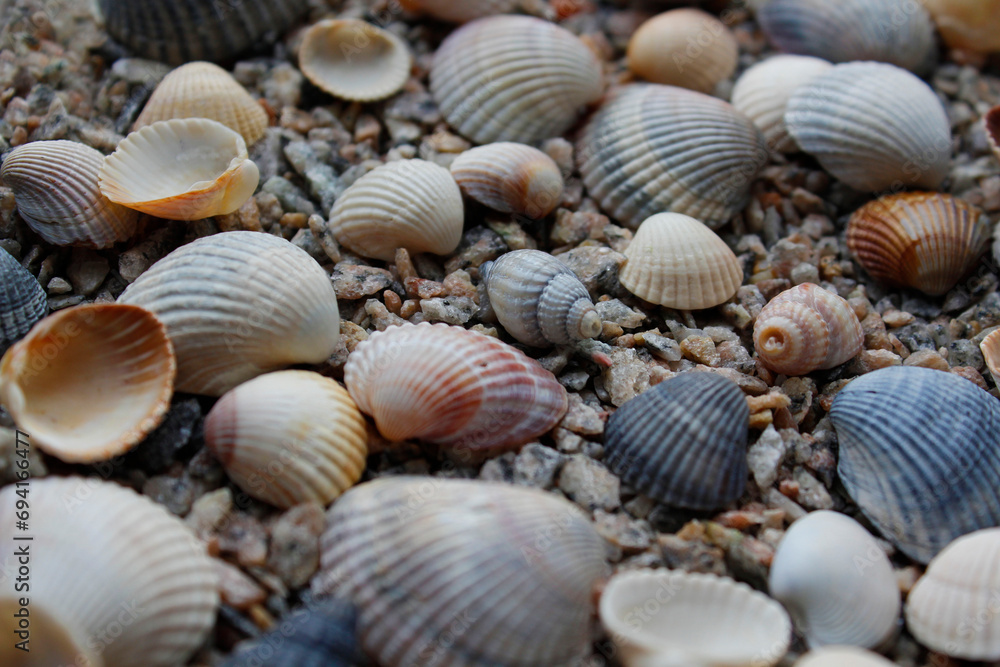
22,300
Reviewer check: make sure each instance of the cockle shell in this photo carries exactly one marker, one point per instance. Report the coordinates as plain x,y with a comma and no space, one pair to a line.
75,213
873,126
239,304
513,78
683,442
539,300
918,455
354,60
515,569
88,383
973,25
677,262
115,579
460,12
412,204
511,178
22,300
991,124
665,618
836,581
990,347
842,656
806,328
652,148
454,387
924,240
289,437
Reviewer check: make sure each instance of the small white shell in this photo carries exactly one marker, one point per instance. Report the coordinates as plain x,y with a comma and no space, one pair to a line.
842,656
510,177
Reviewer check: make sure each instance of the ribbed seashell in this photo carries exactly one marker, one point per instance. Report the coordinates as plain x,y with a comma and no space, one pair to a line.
454,387
653,148
237,305
973,25
22,300
677,262
88,383
460,12
515,567
412,204
204,90
511,178
539,300
990,347
75,212
666,618
683,442
918,455
354,60
513,78
836,582
924,240
873,126
806,328
289,437
991,124
842,656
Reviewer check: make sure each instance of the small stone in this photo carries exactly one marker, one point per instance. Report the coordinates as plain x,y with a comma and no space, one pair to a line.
320,228
613,310
775,499
964,352
812,494
970,374
292,198
235,588
499,469
773,400
209,511
245,218
872,360
661,346
294,551
582,418
176,493
561,152
478,245
575,380
571,227
513,235
354,281
927,359
244,537
453,309
596,267
536,466
459,283
691,555
765,456
133,262
294,220
628,534
701,349
897,318
86,270
627,377
59,286
157,451
589,484
269,208
804,273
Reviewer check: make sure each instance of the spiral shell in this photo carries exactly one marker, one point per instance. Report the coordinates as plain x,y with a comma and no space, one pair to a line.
460,12
539,300
973,25
990,347
513,78
22,300
511,178
842,656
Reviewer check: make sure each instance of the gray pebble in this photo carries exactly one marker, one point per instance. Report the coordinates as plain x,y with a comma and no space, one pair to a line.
589,484
86,270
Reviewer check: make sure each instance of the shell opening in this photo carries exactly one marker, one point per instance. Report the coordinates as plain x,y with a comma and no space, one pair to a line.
590,324
774,340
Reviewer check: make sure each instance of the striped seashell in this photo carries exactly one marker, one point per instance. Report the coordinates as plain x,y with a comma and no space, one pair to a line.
806,328
972,25
990,347
516,567
511,178
115,579
677,262
22,300
75,213
539,300
460,12
237,305
683,442
873,126
918,455
513,78
842,656
289,437
653,149
89,383
991,124
412,204
457,388
924,240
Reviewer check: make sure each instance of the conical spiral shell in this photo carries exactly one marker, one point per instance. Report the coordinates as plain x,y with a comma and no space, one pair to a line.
75,213
806,328
842,656
652,148
513,78
990,347
453,387
973,25
239,304
22,300
515,567
460,12
511,178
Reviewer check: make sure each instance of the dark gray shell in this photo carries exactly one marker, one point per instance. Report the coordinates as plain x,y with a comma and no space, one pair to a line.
22,300
683,442
919,454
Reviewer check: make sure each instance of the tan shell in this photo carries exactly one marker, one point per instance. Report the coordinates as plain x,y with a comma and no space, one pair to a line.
973,25
89,383
842,656
510,177
75,213
990,347
676,261
991,124
460,12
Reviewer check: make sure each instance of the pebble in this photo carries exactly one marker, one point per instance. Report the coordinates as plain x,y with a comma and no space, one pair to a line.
175,492
452,309
765,456
613,310
927,359
596,267
701,349
661,346
630,535
812,494
86,270
133,262
244,537
965,352
235,588
582,418
627,377
209,512
155,454
536,466
691,555
292,199
294,550
59,286
355,281
478,245
589,484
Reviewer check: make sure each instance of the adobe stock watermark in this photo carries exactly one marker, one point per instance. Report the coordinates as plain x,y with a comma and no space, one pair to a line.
22,544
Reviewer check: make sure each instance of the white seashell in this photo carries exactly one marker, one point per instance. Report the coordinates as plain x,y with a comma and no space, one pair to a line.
511,178
842,656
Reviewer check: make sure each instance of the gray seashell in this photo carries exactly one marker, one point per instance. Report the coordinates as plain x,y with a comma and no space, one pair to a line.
683,442
919,455
22,300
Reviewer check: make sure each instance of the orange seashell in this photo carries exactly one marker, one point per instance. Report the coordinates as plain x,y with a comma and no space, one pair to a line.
973,25
990,347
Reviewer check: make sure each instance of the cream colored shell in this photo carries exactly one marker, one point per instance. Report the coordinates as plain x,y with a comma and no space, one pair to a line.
973,25
842,656
990,347
510,177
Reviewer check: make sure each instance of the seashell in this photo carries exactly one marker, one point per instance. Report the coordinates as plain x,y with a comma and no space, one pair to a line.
22,300
289,437
842,656
511,178
181,169
460,12
973,25
412,204
873,126
115,578
516,567
762,93
664,618
652,149
513,78
204,90
677,262
453,387
89,383
990,347
683,442
924,240
836,582
539,300
921,468
75,213
991,124
354,60
237,305
805,329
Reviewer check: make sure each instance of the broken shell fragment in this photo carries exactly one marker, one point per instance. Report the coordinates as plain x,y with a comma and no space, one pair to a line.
511,178
460,12
22,300
973,25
